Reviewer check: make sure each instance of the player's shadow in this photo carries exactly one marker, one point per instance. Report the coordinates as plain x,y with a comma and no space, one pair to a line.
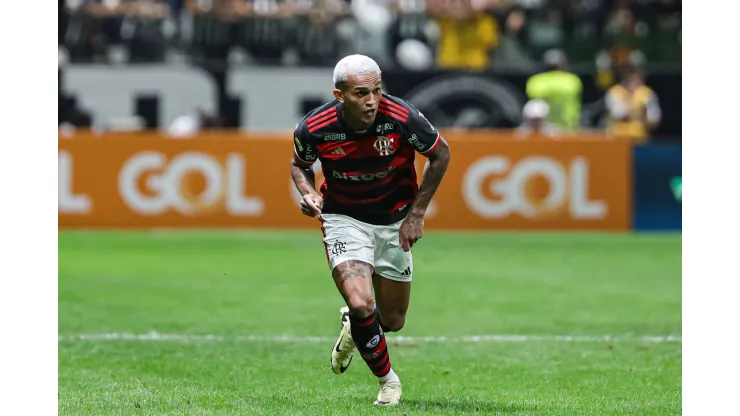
471,406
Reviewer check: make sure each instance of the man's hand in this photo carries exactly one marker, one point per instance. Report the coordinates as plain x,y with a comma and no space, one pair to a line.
412,229
311,205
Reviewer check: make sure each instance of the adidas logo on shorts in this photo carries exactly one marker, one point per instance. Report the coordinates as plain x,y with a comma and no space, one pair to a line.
406,272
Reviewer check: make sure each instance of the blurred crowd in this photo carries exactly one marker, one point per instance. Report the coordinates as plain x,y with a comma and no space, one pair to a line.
632,109
548,38
414,34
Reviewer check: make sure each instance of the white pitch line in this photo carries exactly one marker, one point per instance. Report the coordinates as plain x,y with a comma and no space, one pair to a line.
156,336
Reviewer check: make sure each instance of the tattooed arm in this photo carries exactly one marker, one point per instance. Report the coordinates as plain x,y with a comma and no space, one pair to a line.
412,228
433,174
305,181
425,139
303,177
301,170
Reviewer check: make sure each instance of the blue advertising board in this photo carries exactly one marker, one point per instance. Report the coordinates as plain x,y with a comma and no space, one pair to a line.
657,188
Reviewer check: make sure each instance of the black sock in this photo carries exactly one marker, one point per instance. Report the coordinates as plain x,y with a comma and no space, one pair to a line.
385,328
370,341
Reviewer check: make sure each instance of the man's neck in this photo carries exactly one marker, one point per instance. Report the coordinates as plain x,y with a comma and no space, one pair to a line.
353,124
632,87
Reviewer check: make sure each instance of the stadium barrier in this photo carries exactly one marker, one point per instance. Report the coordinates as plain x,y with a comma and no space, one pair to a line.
233,179
657,188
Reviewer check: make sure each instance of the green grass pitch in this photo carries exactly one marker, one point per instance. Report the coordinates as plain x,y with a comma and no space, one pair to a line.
219,301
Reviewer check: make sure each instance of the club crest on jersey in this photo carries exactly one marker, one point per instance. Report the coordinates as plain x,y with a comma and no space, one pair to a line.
384,146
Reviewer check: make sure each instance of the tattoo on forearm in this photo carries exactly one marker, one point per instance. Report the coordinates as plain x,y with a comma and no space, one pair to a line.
416,221
304,179
351,269
432,178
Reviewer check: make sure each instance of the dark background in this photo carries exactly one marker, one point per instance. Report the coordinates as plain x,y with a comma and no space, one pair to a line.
666,83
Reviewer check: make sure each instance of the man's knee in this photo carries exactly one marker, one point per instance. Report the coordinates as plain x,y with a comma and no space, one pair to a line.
361,305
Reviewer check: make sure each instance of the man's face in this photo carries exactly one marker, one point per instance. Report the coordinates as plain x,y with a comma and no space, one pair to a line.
633,79
360,97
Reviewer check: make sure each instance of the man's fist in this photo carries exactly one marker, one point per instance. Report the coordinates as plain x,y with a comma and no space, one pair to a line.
311,205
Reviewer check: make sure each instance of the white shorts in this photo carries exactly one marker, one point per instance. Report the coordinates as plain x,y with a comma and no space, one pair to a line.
346,239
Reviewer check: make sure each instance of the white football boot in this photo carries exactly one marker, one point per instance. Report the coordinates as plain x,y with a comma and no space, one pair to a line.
341,354
390,393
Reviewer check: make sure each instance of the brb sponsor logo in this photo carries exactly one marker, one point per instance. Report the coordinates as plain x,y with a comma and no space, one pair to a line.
535,187
335,137
190,183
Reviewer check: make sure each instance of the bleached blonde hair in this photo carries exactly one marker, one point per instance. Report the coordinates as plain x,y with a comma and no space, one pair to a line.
354,65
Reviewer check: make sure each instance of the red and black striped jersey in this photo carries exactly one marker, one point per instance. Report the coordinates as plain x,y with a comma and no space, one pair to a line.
368,175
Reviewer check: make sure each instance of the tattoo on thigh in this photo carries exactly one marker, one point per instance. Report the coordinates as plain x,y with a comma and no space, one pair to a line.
350,270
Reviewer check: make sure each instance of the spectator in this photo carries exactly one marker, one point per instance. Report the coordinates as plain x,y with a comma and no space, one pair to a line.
468,33
410,24
463,34
143,29
512,51
146,9
560,89
535,123
189,125
546,29
414,55
225,10
212,26
632,107
317,37
93,25
176,6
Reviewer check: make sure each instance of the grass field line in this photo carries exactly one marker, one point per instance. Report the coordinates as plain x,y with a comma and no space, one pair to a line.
396,339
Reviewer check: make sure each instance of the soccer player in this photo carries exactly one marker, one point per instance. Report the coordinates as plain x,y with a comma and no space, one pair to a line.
370,207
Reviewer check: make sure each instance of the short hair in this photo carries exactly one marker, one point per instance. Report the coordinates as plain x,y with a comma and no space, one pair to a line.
354,65
554,59
536,109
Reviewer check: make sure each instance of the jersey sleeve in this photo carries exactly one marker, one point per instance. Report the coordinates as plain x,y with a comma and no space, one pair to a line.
421,134
303,145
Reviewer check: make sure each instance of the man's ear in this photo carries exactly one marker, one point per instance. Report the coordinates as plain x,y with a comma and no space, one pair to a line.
338,95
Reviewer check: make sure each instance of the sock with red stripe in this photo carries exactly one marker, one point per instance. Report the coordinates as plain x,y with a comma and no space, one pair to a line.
370,341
